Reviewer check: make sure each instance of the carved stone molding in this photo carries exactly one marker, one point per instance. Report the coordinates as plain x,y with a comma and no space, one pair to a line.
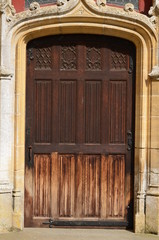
128,12
8,9
154,13
5,74
35,11
154,75
64,7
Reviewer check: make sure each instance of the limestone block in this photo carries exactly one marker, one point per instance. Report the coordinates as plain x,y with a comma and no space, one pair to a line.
154,167
141,132
139,223
155,88
155,132
20,130
155,105
18,214
152,214
5,211
19,179
19,160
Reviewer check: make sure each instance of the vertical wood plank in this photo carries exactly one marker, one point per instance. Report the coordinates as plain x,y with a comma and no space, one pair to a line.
43,126
72,198
42,164
117,111
67,101
54,185
79,201
104,193
97,190
92,111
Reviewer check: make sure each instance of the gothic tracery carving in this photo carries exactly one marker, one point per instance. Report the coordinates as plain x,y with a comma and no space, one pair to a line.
118,60
43,58
68,58
93,59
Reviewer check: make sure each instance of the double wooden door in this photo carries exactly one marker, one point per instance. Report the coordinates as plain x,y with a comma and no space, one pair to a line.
79,124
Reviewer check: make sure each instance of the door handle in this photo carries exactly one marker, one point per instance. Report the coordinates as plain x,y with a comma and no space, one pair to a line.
30,154
129,140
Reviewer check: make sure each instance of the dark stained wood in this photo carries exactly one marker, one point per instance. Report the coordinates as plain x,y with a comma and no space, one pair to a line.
42,111
117,111
67,111
79,107
92,111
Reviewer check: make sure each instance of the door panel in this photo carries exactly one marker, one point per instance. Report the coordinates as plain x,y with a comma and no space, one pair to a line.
85,186
117,111
42,166
79,108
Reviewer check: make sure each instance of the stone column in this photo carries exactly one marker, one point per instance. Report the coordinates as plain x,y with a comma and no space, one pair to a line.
6,124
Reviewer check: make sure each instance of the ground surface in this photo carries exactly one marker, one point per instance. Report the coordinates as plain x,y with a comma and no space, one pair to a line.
75,234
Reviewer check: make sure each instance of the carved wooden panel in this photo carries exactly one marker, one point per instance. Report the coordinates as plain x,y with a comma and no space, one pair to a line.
118,60
43,58
93,59
68,58
117,111
42,180
92,111
67,101
43,117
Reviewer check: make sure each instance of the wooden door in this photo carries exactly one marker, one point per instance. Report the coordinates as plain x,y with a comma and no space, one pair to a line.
79,125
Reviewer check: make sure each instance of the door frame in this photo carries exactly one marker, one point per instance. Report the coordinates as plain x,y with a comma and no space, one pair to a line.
142,35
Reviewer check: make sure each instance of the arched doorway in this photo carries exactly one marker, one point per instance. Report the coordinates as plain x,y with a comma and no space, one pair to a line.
79,131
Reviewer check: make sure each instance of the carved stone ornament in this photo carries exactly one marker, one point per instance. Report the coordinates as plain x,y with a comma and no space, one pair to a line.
63,7
101,3
8,9
154,75
61,2
154,13
129,7
5,74
34,6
